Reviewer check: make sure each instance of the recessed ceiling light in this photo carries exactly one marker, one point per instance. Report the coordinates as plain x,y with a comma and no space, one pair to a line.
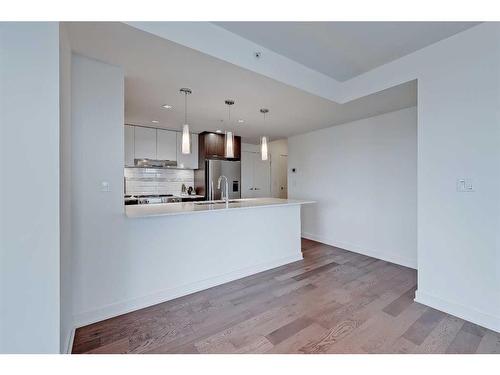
167,106
218,131
241,121
155,121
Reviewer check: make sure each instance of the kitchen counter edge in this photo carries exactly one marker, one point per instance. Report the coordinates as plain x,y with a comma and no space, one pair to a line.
186,208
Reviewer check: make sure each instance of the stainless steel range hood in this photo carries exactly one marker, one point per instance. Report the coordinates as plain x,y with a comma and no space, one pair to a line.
151,163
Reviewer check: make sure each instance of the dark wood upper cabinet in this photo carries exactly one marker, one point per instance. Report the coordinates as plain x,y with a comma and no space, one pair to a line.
211,146
237,148
214,145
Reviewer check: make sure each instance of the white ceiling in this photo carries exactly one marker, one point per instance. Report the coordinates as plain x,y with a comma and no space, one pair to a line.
155,70
343,50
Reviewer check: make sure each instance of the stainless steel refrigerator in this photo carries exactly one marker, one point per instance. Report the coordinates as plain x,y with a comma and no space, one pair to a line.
206,179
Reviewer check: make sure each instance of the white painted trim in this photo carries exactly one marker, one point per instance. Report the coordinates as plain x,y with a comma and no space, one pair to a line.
70,340
403,261
470,314
124,307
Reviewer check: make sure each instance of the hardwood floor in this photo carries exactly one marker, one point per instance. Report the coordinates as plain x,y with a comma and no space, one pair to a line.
332,301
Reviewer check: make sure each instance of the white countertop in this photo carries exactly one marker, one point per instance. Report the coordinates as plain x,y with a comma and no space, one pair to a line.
166,209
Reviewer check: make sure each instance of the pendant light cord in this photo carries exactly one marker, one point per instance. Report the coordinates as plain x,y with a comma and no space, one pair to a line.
185,108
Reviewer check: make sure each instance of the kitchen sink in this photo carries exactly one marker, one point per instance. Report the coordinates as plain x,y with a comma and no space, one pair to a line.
214,202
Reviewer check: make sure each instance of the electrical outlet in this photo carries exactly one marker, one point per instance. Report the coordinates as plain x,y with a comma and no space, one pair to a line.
105,186
465,185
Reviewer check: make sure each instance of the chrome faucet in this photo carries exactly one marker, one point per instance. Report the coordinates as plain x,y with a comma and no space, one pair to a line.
227,189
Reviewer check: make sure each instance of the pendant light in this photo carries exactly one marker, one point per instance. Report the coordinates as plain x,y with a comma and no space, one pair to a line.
229,138
264,140
186,136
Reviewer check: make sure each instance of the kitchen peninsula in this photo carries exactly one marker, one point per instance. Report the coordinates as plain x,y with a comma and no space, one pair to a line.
181,248
157,252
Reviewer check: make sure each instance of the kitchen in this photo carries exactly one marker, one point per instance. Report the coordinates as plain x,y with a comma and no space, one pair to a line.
168,166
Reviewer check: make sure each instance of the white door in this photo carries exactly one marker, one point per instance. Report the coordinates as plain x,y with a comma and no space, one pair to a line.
255,176
247,159
145,143
129,145
166,145
188,161
261,177
283,176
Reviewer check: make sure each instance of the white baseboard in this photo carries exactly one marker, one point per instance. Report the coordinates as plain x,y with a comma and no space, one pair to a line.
69,341
472,315
124,307
411,263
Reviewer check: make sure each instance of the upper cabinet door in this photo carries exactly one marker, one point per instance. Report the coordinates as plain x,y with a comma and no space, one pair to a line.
237,148
129,146
188,161
166,145
145,143
214,146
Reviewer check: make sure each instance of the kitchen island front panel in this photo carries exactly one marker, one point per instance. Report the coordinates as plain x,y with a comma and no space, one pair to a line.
125,264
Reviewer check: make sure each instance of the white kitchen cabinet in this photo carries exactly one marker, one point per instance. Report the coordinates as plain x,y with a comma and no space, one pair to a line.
145,143
129,146
255,175
158,144
188,161
166,144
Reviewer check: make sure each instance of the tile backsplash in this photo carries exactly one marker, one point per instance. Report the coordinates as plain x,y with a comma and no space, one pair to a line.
144,181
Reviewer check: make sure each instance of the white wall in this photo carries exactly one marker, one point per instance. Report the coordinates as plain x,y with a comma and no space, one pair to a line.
29,211
121,264
363,176
459,136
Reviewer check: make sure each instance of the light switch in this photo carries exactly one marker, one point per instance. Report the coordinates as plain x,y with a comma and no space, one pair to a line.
105,186
465,185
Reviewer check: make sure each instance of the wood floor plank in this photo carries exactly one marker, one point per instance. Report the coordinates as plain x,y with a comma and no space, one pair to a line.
260,345
303,338
467,339
441,337
289,329
315,271
419,330
380,329
347,320
117,347
399,305
490,343
332,301
399,346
